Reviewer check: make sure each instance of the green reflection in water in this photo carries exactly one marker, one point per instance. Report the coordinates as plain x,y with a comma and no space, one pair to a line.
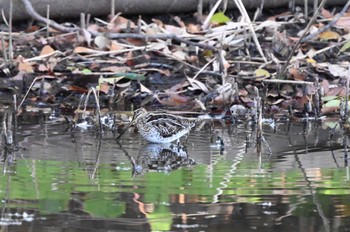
48,186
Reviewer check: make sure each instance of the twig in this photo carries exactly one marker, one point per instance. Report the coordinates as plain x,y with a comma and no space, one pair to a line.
330,24
284,68
10,31
30,10
112,8
278,81
98,109
201,70
346,107
159,36
47,23
4,50
210,15
244,13
53,24
31,85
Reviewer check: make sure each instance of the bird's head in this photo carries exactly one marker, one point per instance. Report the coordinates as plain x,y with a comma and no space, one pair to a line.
138,114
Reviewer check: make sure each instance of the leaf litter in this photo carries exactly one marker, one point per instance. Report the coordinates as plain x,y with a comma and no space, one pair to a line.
184,63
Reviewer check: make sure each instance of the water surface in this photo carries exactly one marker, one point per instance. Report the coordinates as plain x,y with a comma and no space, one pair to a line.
62,181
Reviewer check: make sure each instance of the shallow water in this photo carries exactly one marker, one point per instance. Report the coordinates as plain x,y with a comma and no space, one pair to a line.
61,181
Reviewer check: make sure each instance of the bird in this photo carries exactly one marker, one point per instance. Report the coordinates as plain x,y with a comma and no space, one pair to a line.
157,127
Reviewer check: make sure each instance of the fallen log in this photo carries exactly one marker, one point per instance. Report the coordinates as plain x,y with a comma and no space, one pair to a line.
73,8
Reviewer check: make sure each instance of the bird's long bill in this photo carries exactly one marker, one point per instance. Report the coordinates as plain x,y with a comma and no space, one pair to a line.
126,128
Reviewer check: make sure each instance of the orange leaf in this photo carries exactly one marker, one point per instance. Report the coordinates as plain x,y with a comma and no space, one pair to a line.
24,66
47,49
296,74
329,35
77,89
115,46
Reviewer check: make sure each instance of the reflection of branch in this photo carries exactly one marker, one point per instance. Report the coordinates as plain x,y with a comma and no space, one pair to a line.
130,158
97,160
313,194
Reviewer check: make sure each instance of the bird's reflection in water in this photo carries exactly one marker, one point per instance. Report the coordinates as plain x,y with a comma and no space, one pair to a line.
162,158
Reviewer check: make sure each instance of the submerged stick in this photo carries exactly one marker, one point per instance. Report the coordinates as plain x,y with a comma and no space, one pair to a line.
346,107
126,128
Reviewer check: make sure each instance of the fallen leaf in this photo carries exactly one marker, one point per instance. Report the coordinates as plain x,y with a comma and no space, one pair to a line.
345,47
219,18
79,50
337,91
24,66
102,42
332,103
326,14
193,28
77,89
325,86
47,49
329,35
329,110
296,74
329,98
337,70
115,46
261,73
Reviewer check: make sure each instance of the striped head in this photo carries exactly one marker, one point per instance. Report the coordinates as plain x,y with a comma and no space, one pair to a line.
138,114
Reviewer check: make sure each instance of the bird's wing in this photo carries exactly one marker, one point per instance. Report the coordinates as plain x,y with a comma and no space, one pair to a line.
167,124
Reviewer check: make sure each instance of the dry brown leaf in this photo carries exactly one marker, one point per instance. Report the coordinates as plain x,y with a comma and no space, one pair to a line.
325,85
296,74
326,14
343,22
79,50
194,28
24,66
47,49
173,100
77,89
115,46
136,42
329,110
104,87
337,91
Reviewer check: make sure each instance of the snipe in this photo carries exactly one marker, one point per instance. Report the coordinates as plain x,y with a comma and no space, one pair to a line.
160,127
